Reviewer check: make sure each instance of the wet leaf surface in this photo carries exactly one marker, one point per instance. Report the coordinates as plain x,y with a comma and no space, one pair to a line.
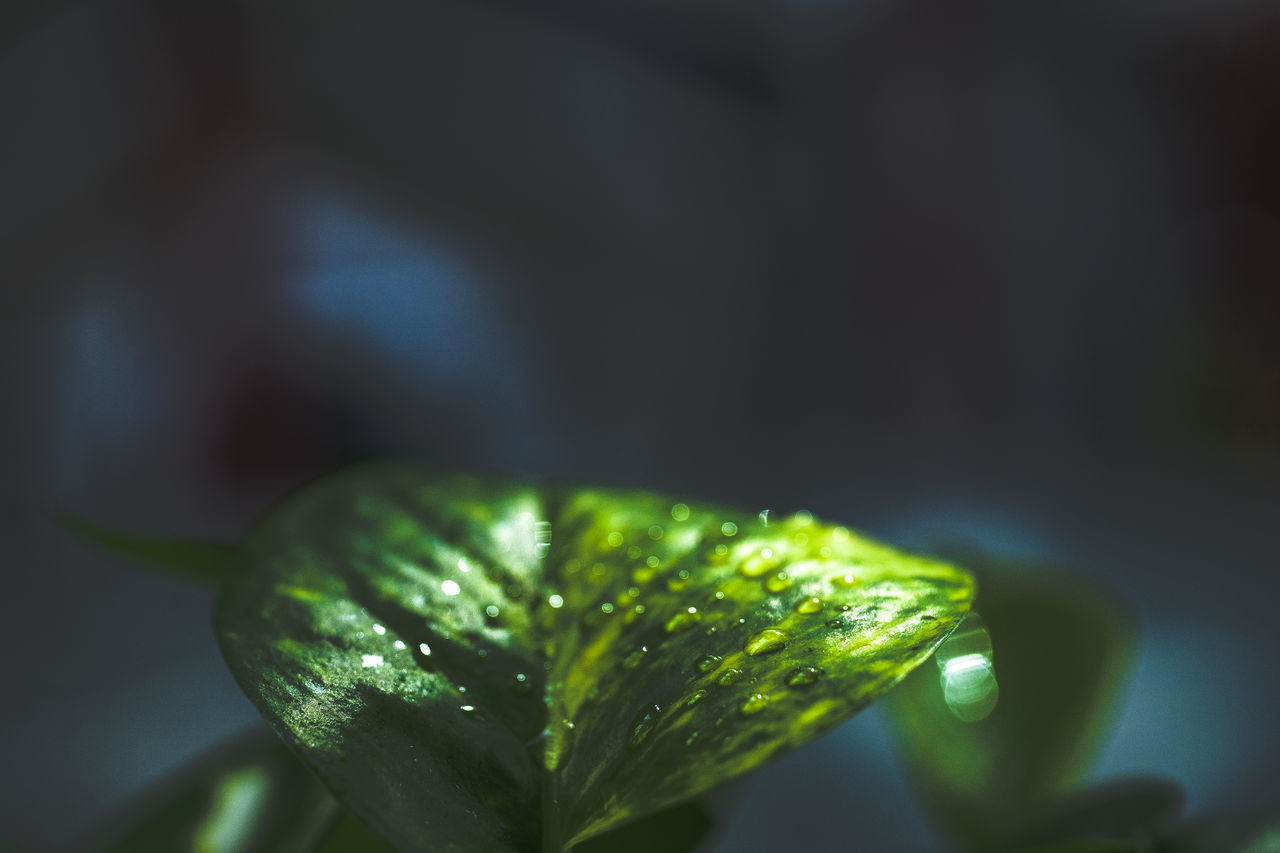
474,665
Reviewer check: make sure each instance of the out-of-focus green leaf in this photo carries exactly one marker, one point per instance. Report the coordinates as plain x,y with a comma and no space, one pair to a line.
474,665
1059,647
202,561
1132,811
248,796
1256,832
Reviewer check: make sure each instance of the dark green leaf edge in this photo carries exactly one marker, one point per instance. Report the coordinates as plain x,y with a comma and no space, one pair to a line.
206,562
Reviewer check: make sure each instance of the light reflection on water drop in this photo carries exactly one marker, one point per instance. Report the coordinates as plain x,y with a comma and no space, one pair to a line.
967,672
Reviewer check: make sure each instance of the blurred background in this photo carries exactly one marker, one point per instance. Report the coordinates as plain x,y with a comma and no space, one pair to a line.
1000,272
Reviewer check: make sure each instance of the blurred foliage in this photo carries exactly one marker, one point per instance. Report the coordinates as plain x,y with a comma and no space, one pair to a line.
1059,649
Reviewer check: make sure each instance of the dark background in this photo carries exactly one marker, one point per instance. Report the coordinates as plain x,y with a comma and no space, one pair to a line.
1002,271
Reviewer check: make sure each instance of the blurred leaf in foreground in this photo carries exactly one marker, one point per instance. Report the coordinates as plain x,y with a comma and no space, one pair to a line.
1058,650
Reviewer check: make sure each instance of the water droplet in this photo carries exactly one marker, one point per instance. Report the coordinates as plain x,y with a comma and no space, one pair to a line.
482,653
781,582
691,738
521,684
729,676
694,698
655,532
764,516
768,640
556,601
729,528
680,512
679,581
541,538
813,604
759,564
848,580
721,550
835,623
719,595
607,607
491,611
614,539
632,660
378,629
757,703
633,552
471,712
652,561
803,676
967,674
825,552
684,619
572,566
371,660
706,663
425,649
644,723
803,518
400,646
450,587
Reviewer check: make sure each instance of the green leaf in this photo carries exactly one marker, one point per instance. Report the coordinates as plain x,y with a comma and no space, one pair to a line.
248,796
1250,832
1133,811
474,665
1059,647
201,561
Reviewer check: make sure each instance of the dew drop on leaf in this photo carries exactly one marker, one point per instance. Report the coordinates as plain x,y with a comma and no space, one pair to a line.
812,604
781,582
643,724
768,640
803,676
729,676
706,663
755,704
684,619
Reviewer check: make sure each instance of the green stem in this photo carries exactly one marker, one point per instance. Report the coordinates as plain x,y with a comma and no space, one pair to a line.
552,840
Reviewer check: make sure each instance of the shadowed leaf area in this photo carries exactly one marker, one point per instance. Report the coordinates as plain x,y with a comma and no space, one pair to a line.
477,665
